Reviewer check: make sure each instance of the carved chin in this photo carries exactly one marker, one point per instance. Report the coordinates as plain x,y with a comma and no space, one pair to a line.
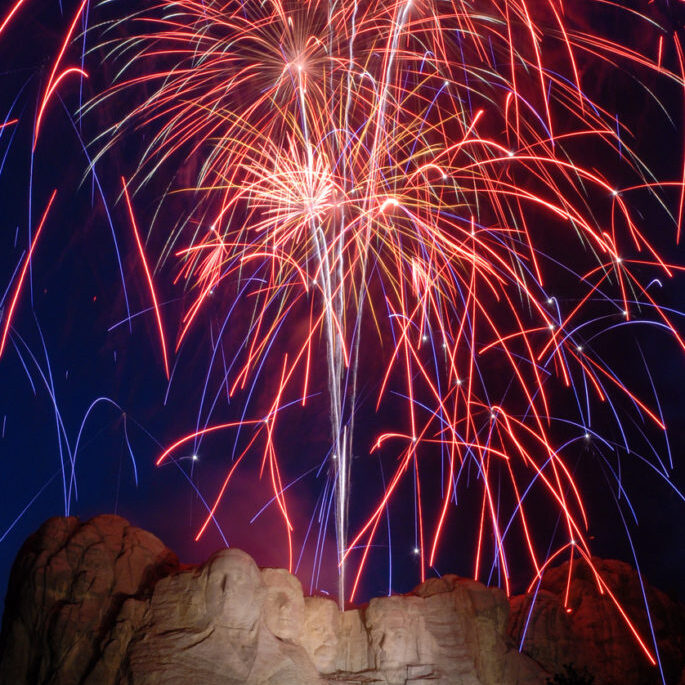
285,630
242,621
394,660
324,658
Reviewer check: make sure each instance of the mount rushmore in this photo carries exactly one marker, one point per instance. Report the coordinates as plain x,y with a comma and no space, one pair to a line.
105,603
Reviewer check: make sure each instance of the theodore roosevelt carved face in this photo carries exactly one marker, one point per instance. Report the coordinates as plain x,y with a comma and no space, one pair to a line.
321,634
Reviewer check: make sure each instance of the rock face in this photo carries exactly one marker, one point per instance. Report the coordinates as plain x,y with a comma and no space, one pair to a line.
209,625
590,632
108,604
105,603
74,588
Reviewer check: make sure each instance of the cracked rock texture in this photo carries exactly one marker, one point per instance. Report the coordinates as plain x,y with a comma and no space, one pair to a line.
590,632
70,595
104,603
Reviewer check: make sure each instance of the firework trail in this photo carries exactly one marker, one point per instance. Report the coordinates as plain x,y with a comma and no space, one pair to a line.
425,185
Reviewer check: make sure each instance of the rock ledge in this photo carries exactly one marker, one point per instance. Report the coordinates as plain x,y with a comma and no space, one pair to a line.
105,603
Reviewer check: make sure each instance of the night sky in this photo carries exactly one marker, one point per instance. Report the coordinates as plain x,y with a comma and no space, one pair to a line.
79,368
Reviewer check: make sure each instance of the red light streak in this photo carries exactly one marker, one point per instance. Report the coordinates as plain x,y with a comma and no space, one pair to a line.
148,275
22,275
54,82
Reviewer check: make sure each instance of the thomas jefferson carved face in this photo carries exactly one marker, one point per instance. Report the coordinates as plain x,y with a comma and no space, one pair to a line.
284,603
321,633
234,592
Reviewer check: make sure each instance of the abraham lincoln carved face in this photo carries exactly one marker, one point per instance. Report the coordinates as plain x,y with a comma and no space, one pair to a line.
392,632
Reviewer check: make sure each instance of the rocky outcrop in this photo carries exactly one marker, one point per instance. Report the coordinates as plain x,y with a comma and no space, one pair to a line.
105,603
75,594
466,628
209,625
588,630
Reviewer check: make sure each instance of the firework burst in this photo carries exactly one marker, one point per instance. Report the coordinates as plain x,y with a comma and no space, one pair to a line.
421,183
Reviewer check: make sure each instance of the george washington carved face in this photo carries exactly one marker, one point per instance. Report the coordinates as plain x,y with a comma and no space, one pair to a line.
234,593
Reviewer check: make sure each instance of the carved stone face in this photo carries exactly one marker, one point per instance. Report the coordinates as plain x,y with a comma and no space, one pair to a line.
284,603
392,633
234,593
321,634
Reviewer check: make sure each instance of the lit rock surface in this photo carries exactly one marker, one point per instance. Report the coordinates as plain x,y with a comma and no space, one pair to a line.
209,625
591,633
103,603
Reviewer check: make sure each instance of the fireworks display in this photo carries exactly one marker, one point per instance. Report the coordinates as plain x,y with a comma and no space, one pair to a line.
429,224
